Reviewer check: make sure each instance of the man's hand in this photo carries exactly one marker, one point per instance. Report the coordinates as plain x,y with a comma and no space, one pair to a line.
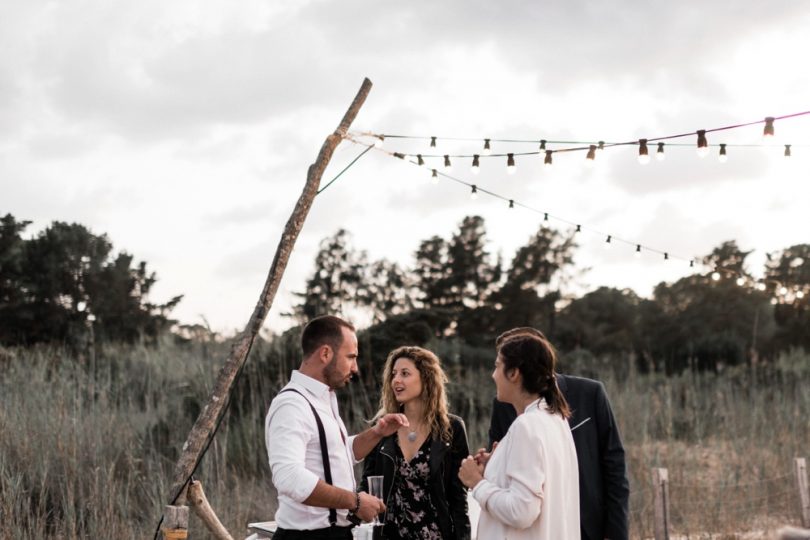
389,424
369,507
470,472
482,456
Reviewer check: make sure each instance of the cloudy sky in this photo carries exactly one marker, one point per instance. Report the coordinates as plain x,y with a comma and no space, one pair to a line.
184,129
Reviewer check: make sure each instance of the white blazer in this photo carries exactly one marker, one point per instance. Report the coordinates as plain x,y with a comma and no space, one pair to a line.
530,488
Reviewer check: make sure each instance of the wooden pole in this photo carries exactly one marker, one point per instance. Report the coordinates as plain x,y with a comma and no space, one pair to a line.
210,414
804,497
199,502
661,487
175,523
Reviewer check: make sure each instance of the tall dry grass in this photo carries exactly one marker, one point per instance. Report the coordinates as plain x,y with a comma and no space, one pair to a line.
88,450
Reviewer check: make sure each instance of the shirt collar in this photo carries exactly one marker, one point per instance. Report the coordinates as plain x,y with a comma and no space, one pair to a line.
315,387
539,403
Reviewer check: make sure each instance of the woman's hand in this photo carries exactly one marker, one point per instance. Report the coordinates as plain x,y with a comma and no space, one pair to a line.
389,424
470,472
482,456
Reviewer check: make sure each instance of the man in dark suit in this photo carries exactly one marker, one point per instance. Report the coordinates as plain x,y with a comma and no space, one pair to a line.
603,487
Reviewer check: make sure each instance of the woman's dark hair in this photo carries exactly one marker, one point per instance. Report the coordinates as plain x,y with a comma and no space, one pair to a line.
535,358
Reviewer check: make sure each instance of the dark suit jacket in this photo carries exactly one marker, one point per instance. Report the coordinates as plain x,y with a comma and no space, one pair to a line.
603,487
447,493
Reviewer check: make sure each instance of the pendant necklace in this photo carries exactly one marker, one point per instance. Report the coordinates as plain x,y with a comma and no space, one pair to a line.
412,436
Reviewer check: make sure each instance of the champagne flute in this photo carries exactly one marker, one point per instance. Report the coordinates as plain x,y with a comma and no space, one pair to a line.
375,489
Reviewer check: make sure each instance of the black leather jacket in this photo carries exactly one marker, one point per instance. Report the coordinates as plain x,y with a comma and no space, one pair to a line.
446,490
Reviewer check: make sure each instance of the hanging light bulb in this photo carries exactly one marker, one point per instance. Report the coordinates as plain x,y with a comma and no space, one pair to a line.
702,143
607,242
545,216
590,156
476,166
435,176
722,156
487,150
783,290
666,256
601,145
474,192
768,130
547,160
659,154
741,281
510,163
716,275
511,203
579,228
761,286
799,294
433,142
543,144
379,141
774,301
643,153
419,160
787,150
638,250
447,165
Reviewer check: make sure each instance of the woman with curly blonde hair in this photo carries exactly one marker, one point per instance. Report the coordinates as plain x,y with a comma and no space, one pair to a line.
423,495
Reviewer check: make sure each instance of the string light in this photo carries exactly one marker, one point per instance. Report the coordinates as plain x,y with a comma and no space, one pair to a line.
799,294
761,286
476,166
510,163
435,176
783,290
419,160
487,150
666,256
601,145
542,144
607,242
787,150
545,216
768,130
511,203
474,192
638,250
433,142
591,153
702,143
379,142
740,281
659,154
722,156
691,263
579,228
716,275
547,160
643,153
447,165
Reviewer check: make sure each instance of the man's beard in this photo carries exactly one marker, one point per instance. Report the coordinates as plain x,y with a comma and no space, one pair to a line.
333,380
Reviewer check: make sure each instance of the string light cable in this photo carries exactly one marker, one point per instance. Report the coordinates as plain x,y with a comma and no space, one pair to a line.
780,290
587,146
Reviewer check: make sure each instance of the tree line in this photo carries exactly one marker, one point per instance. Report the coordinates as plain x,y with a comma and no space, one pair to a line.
457,289
54,285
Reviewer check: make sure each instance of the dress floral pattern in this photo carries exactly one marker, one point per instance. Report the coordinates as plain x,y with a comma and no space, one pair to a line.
411,514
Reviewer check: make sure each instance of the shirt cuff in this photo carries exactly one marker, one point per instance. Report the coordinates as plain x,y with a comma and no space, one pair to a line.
482,491
304,486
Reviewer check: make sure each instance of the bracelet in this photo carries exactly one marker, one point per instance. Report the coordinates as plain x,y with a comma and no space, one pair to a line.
357,503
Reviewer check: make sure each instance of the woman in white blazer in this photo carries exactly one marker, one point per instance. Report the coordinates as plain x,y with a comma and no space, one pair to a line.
528,487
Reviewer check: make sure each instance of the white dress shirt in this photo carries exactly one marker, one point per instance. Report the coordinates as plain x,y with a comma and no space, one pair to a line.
294,452
530,488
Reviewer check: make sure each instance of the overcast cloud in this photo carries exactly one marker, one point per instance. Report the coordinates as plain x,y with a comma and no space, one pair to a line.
184,129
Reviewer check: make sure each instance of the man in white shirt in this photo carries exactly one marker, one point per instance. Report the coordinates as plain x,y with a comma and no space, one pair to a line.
309,506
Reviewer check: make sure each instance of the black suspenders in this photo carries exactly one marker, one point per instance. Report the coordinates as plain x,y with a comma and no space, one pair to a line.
327,470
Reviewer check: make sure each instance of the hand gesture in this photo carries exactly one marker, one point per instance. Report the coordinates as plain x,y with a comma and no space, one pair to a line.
470,472
390,423
369,507
482,456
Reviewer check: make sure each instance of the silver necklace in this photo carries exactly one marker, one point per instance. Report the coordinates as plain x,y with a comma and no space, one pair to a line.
412,436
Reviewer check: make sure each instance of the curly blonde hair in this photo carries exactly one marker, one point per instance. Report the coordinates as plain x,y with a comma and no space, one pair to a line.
433,395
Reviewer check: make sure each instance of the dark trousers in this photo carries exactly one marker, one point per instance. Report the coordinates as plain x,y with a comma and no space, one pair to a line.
329,533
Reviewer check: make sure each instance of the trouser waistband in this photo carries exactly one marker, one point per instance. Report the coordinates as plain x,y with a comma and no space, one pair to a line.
329,533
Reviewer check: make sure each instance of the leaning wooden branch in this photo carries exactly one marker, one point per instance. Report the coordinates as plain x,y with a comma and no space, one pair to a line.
204,426
199,503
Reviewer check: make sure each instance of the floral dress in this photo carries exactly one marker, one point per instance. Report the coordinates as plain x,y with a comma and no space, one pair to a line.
411,514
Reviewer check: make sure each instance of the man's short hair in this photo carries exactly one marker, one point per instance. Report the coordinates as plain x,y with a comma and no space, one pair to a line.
519,331
324,330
